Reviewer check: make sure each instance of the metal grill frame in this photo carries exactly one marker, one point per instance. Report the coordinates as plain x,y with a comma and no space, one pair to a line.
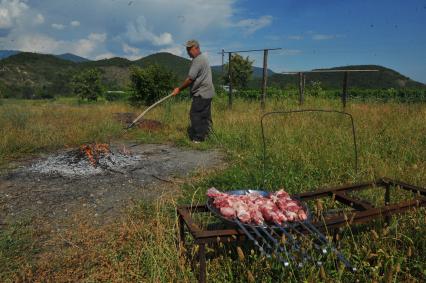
363,212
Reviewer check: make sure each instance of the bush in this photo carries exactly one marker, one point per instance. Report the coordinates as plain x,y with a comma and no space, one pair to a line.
115,95
87,85
150,84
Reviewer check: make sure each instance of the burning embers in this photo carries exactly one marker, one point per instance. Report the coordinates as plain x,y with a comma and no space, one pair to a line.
94,152
88,159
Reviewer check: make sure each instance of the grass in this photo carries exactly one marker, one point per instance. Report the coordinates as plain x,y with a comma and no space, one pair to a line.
305,151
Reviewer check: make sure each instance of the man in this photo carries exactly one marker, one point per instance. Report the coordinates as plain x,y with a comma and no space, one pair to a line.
201,88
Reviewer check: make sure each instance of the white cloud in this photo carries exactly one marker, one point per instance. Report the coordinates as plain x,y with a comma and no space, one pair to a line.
87,46
75,23
290,52
129,49
176,50
58,26
295,37
37,43
252,25
39,19
107,55
10,12
326,36
99,37
139,32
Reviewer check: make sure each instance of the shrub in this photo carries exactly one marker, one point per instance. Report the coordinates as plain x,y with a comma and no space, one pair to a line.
150,84
87,85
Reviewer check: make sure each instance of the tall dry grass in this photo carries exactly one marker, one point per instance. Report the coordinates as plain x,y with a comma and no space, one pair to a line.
305,151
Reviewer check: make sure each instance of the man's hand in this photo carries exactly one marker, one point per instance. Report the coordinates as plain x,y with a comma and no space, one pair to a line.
176,91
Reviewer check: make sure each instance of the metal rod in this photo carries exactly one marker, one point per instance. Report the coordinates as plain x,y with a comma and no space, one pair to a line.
345,89
279,257
250,236
230,80
277,245
326,71
303,111
308,226
251,50
148,109
301,89
316,246
265,78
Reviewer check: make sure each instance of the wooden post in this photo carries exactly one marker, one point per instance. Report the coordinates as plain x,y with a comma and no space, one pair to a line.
230,80
301,88
202,278
223,58
345,89
265,78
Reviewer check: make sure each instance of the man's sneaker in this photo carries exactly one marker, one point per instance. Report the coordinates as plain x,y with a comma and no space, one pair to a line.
195,141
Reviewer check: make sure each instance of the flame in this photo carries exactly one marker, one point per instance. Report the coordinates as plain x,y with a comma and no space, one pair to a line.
94,151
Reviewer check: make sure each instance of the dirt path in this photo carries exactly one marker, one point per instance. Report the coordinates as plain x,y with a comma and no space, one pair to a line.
45,188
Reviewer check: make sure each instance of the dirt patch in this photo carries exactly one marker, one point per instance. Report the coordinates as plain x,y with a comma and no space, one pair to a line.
126,118
56,186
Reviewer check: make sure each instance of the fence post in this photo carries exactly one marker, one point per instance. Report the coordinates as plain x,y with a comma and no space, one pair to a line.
230,80
265,78
301,88
345,89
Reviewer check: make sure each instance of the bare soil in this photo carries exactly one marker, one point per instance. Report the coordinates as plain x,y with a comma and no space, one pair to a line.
53,195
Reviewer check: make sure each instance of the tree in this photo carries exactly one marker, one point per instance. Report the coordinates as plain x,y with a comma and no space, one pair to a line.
87,85
150,84
315,89
241,71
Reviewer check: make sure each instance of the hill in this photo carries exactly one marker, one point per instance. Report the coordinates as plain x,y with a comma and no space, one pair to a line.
23,74
172,62
384,78
71,57
8,53
33,75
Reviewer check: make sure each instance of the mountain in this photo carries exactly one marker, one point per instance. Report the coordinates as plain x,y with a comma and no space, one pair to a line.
8,53
24,73
172,62
31,75
66,56
384,78
71,57
257,71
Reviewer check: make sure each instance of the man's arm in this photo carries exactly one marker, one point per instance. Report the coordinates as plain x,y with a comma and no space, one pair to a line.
185,84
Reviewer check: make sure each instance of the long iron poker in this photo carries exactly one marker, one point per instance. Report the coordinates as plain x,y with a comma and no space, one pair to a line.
147,110
313,230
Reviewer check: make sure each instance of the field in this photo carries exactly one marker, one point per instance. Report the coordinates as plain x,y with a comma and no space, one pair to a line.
304,151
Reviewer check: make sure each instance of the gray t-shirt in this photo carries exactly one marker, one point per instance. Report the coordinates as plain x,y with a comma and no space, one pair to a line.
201,75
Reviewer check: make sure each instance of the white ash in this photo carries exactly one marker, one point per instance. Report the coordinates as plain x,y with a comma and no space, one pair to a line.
71,164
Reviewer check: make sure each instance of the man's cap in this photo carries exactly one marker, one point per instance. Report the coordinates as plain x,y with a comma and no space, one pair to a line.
191,43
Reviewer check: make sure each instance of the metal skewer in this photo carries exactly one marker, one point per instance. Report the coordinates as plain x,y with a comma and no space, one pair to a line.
250,236
277,245
313,230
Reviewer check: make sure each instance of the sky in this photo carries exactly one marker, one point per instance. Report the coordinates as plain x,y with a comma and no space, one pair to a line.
312,33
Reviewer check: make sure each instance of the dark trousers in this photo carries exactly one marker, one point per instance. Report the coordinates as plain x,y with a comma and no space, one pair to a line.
201,118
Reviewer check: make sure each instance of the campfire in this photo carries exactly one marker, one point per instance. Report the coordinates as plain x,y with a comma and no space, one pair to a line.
94,152
88,159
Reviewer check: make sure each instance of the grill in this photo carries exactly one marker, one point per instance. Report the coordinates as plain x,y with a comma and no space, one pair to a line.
361,212
267,236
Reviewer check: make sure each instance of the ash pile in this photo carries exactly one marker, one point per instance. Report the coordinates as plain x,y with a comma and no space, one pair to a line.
87,160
